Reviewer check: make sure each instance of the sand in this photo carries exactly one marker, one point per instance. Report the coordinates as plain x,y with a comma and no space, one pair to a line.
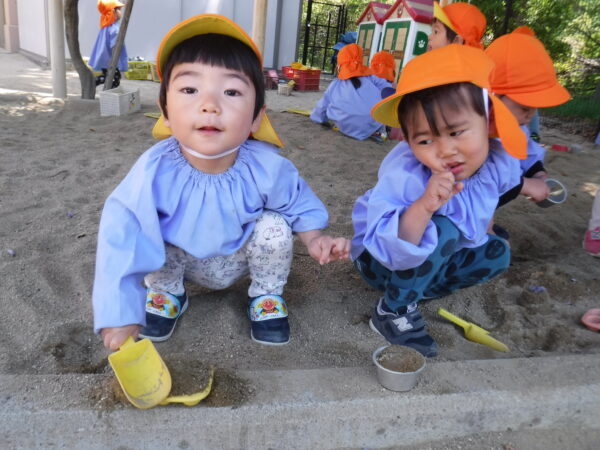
59,160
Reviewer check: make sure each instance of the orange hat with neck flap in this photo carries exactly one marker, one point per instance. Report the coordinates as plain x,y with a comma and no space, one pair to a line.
107,11
453,63
349,60
383,65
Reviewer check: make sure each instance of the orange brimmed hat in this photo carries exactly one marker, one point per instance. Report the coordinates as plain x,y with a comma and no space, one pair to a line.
205,24
107,13
453,63
464,19
524,71
349,60
383,65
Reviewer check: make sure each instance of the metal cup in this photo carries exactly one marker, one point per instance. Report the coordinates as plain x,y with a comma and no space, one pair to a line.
397,381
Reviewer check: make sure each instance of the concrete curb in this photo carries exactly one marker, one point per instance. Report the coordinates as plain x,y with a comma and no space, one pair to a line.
322,408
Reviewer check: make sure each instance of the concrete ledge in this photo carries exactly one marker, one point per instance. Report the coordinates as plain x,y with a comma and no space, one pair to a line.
330,408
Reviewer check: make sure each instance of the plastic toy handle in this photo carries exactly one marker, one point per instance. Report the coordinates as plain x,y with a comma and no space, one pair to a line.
192,399
452,318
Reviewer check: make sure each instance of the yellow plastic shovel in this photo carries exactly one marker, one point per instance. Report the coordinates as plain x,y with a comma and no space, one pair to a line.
473,332
141,372
144,377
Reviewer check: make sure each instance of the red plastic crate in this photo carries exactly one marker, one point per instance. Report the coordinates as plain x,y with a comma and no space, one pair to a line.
307,85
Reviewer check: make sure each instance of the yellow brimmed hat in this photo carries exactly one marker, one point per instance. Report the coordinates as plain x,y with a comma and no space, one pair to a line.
205,24
453,63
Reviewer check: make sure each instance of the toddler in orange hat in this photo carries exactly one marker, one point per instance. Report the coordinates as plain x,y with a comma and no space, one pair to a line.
348,100
525,79
421,231
457,23
110,13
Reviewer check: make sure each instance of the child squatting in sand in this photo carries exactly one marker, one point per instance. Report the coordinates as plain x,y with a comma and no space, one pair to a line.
207,203
421,232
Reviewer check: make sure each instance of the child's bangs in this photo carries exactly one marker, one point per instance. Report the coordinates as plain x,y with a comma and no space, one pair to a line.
447,99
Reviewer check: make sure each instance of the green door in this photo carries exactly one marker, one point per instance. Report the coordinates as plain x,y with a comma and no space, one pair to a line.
395,35
365,40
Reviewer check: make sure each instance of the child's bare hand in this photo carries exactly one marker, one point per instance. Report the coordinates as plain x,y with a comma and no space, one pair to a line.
114,337
440,188
536,189
325,248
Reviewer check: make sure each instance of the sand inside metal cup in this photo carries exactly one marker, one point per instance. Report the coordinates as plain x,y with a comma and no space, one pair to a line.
558,193
398,367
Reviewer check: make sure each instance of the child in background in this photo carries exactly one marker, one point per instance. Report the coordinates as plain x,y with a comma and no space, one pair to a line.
110,13
457,23
207,204
383,65
348,100
524,78
421,232
591,239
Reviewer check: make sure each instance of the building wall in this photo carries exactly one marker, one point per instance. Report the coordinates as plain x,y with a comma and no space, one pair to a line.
31,16
144,32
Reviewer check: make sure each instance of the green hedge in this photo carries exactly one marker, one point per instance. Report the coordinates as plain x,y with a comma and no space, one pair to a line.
588,107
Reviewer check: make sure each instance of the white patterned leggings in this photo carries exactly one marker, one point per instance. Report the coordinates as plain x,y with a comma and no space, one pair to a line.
266,257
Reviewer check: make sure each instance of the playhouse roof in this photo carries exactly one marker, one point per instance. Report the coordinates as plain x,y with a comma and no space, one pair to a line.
419,10
374,11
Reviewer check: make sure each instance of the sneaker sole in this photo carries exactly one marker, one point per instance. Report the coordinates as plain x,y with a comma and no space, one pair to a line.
164,338
372,326
266,342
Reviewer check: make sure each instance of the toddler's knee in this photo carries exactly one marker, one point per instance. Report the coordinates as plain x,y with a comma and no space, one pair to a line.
271,229
497,251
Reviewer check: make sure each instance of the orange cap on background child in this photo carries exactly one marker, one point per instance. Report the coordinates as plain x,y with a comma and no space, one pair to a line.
206,24
107,13
464,19
383,65
453,64
524,71
349,60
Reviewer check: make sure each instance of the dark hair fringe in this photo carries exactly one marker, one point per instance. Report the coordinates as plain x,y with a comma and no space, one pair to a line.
215,50
452,97
355,82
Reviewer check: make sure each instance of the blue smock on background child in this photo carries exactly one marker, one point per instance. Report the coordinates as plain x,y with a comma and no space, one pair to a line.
348,100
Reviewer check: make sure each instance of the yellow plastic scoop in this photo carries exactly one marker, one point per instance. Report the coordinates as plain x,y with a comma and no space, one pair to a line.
145,379
473,332
141,372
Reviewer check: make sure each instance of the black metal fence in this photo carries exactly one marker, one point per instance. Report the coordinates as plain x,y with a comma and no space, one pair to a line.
322,24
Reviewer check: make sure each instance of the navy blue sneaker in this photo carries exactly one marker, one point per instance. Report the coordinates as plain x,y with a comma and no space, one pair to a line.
406,329
162,311
269,320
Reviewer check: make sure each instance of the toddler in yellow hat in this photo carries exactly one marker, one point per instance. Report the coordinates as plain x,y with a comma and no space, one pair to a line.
211,203
421,231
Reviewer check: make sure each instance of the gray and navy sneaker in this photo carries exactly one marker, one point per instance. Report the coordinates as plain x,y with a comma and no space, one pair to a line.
408,329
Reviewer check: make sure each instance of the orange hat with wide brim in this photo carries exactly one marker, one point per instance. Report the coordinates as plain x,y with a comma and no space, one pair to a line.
205,24
107,13
453,64
524,71
349,60
383,65
464,19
